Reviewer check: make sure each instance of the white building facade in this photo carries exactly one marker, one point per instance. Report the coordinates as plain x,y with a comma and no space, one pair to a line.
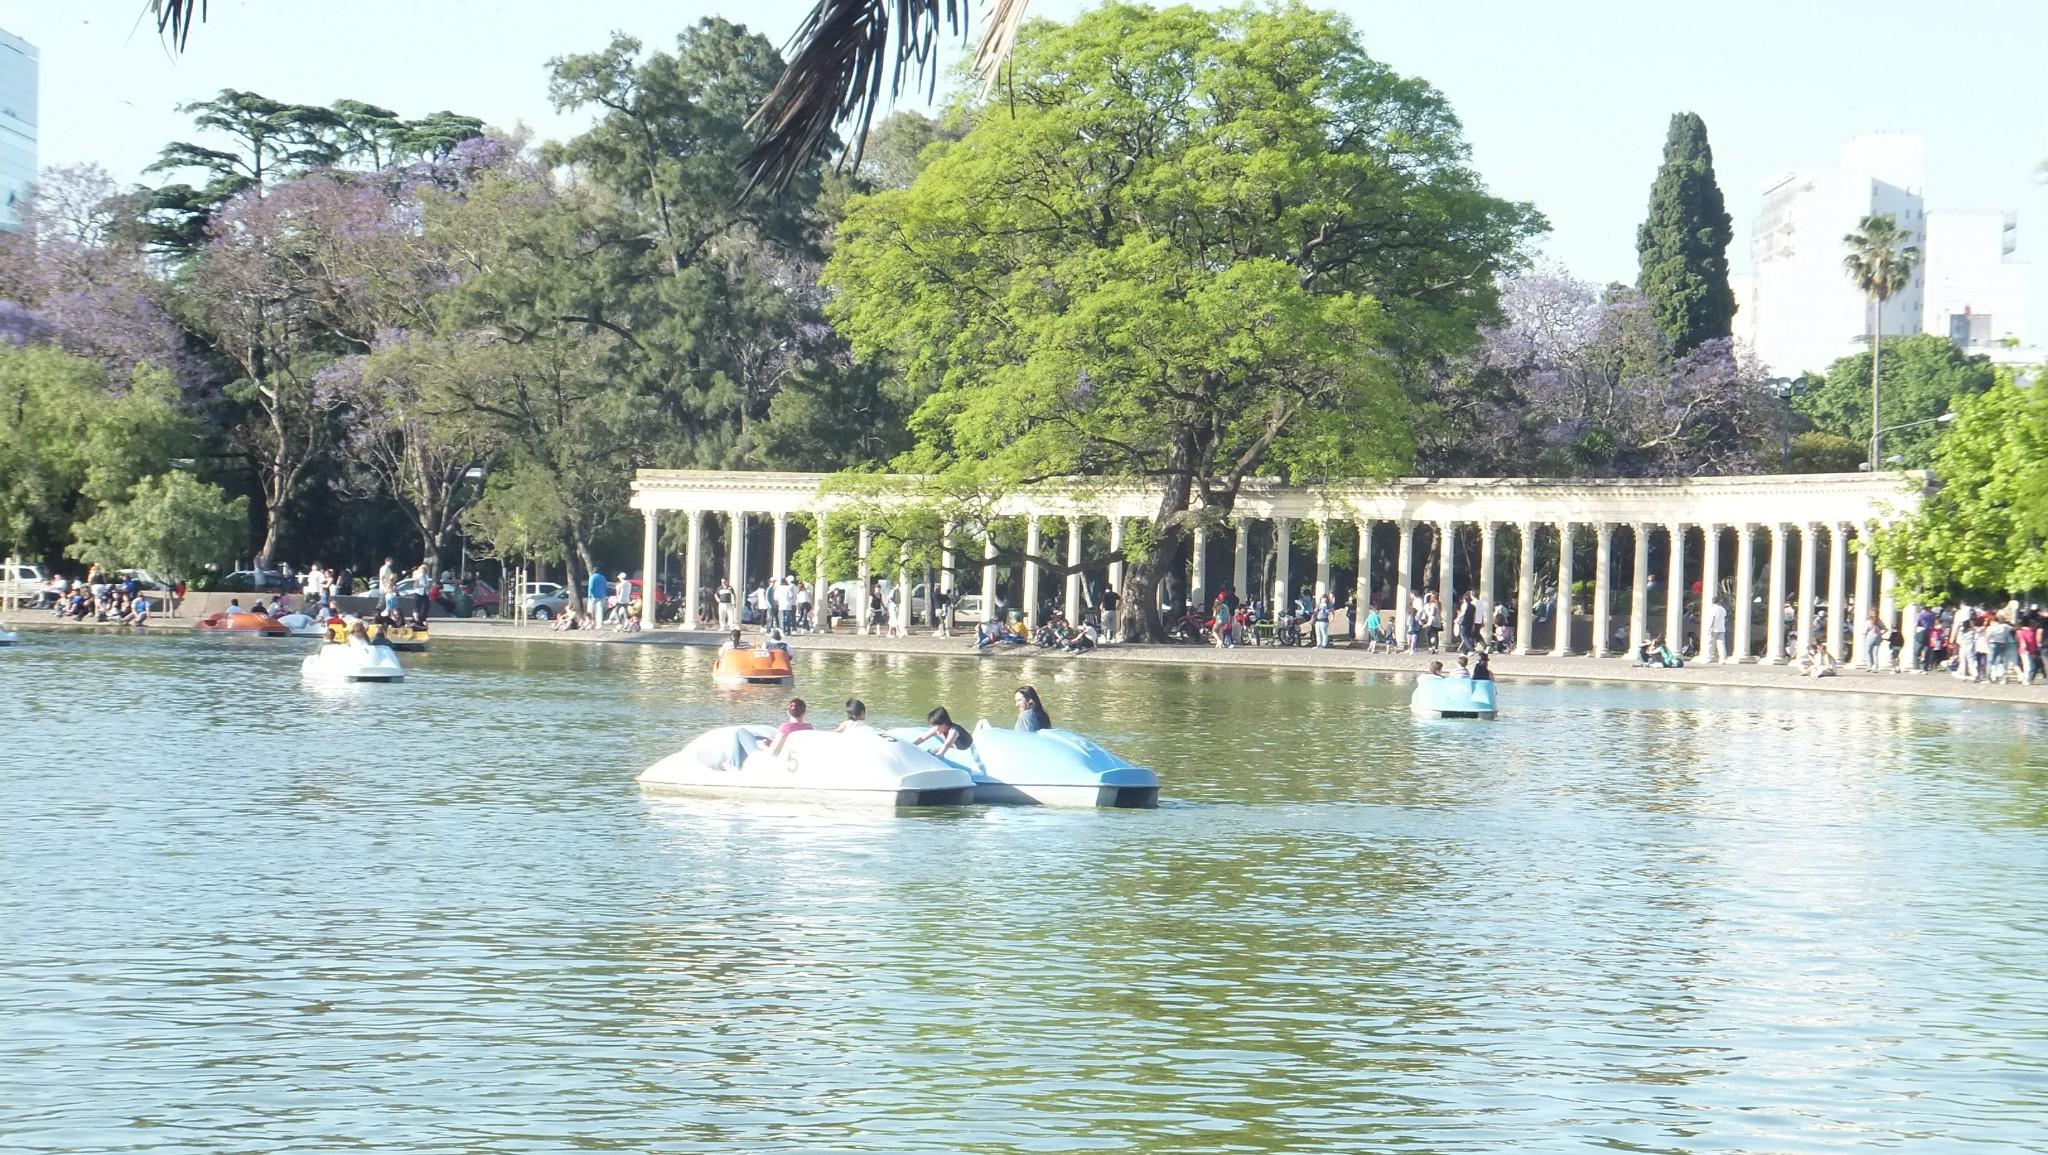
1801,312
1976,291
18,64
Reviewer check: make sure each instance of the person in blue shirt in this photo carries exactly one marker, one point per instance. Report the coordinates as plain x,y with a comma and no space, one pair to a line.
1031,715
595,593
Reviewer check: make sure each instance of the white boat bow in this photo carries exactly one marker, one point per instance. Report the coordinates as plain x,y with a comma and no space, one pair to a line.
353,662
861,766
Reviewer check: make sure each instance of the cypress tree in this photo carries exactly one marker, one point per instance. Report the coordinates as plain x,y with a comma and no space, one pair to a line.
1683,245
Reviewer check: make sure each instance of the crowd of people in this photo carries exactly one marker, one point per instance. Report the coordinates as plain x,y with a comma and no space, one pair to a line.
113,599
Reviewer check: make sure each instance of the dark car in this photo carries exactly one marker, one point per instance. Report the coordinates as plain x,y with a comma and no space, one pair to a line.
261,581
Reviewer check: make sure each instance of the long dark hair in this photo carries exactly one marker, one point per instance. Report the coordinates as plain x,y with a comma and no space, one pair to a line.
1030,694
856,709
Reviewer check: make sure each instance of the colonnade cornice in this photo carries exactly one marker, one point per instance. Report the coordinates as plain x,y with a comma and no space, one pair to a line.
1749,499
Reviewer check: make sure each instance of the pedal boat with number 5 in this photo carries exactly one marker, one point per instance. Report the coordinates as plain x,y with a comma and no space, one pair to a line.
858,767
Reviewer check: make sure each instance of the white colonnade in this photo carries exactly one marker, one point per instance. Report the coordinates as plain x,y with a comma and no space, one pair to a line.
1451,537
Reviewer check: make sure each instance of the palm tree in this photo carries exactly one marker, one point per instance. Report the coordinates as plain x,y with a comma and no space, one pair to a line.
1881,263
837,60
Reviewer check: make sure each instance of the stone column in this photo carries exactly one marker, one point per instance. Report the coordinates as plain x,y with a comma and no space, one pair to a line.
1364,574
1710,581
1283,563
1674,589
1808,548
948,561
1446,569
1031,547
1322,558
736,561
988,576
1073,590
1404,569
1866,580
901,628
1639,591
1198,569
1562,614
1838,590
859,602
1486,534
1603,561
648,583
821,613
693,602
1116,568
1774,610
1888,601
1240,561
1739,605
1525,587
780,563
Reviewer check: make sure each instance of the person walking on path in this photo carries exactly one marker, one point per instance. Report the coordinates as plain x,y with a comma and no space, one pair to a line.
1717,634
594,596
1870,638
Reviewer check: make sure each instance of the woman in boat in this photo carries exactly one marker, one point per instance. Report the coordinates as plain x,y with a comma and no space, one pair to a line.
856,716
951,735
1481,672
1031,715
794,723
735,642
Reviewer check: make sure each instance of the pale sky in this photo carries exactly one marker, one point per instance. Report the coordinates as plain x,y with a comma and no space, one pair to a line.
1565,103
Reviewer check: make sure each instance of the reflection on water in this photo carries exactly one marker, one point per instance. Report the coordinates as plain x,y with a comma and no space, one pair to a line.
242,915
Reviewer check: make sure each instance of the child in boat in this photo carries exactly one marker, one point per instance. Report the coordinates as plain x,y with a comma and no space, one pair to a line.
951,735
792,725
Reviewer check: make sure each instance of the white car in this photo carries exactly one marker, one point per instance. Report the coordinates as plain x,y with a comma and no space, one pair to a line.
23,583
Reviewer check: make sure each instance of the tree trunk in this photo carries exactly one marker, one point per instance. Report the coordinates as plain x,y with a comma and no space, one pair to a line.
1876,346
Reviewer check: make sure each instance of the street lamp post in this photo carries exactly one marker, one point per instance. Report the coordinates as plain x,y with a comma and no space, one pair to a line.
1871,465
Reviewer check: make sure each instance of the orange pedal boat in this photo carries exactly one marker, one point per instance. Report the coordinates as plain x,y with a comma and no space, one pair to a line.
763,667
242,623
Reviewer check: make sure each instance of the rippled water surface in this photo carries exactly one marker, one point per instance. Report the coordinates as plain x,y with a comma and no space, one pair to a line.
240,914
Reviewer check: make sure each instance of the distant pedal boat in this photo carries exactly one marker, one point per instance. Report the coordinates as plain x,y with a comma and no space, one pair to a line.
1453,698
352,662
754,667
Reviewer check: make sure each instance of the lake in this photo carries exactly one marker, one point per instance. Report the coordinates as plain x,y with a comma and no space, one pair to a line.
242,914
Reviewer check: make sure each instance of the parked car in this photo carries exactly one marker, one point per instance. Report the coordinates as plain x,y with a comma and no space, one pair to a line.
966,607
261,581
455,599
544,601
24,583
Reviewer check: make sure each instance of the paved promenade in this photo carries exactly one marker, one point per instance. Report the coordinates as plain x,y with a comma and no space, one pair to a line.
1506,666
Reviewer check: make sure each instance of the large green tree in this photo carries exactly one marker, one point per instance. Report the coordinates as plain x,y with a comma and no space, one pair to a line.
73,442
1923,377
1985,530
1683,245
1188,248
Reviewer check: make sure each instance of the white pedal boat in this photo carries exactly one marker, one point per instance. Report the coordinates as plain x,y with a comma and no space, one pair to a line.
1453,698
1049,768
8,638
353,662
859,766
303,626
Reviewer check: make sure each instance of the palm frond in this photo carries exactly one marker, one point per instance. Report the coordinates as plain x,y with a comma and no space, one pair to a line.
175,18
838,61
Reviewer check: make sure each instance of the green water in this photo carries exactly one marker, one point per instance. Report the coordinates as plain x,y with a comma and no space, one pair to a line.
240,914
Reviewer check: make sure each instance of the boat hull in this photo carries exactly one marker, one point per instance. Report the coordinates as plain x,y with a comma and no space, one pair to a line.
863,768
352,663
1050,768
1453,698
753,668
243,624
